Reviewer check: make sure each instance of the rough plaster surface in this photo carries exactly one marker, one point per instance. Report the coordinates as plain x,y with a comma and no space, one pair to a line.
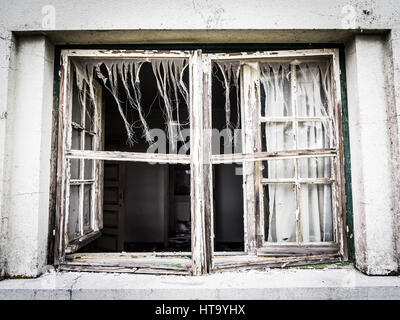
345,283
25,97
199,14
372,183
28,158
6,76
392,68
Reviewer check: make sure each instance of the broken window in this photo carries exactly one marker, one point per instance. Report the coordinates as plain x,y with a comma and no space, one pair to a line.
187,162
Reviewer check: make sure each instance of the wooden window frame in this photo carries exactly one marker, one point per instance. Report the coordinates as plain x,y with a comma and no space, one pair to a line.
257,252
201,159
121,262
97,171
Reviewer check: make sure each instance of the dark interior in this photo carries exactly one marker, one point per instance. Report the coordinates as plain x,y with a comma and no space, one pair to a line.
147,206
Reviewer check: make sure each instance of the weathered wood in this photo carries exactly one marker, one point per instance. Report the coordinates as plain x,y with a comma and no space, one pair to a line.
250,108
165,263
90,256
119,269
201,160
259,156
303,250
291,119
127,54
197,167
128,156
82,241
274,56
207,167
340,190
60,189
95,214
134,263
272,262
293,85
300,180
79,182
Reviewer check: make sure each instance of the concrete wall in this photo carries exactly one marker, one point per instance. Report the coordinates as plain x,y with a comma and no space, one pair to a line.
372,182
27,162
199,14
373,66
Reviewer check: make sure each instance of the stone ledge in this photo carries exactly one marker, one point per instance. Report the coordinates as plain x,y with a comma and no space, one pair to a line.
340,283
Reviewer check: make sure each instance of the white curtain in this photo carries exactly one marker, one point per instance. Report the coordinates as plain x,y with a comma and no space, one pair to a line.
313,100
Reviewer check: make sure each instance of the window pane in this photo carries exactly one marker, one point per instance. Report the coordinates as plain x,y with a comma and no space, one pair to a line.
89,115
226,113
73,216
75,168
280,213
314,97
153,115
277,136
275,90
314,135
76,104
228,207
278,169
88,142
316,213
87,205
76,139
88,169
315,167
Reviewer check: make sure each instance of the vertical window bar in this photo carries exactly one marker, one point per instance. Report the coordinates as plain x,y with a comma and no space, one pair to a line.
82,162
296,143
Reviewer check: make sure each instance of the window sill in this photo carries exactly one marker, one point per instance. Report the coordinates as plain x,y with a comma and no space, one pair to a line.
333,282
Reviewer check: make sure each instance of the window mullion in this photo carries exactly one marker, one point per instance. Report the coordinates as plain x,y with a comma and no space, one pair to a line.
250,105
200,166
82,162
296,143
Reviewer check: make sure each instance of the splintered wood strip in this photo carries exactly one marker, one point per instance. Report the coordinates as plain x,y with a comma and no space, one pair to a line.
128,255
207,167
300,180
293,84
275,56
128,156
258,156
133,261
82,241
250,106
78,182
339,187
198,169
121,269
128,54
304,250
299,119
272,262
61,193
148,265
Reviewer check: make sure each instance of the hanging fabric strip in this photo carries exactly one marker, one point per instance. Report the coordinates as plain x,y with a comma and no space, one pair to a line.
124,74
230,72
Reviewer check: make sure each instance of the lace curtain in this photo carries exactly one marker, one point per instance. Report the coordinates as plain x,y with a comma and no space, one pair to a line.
313,98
